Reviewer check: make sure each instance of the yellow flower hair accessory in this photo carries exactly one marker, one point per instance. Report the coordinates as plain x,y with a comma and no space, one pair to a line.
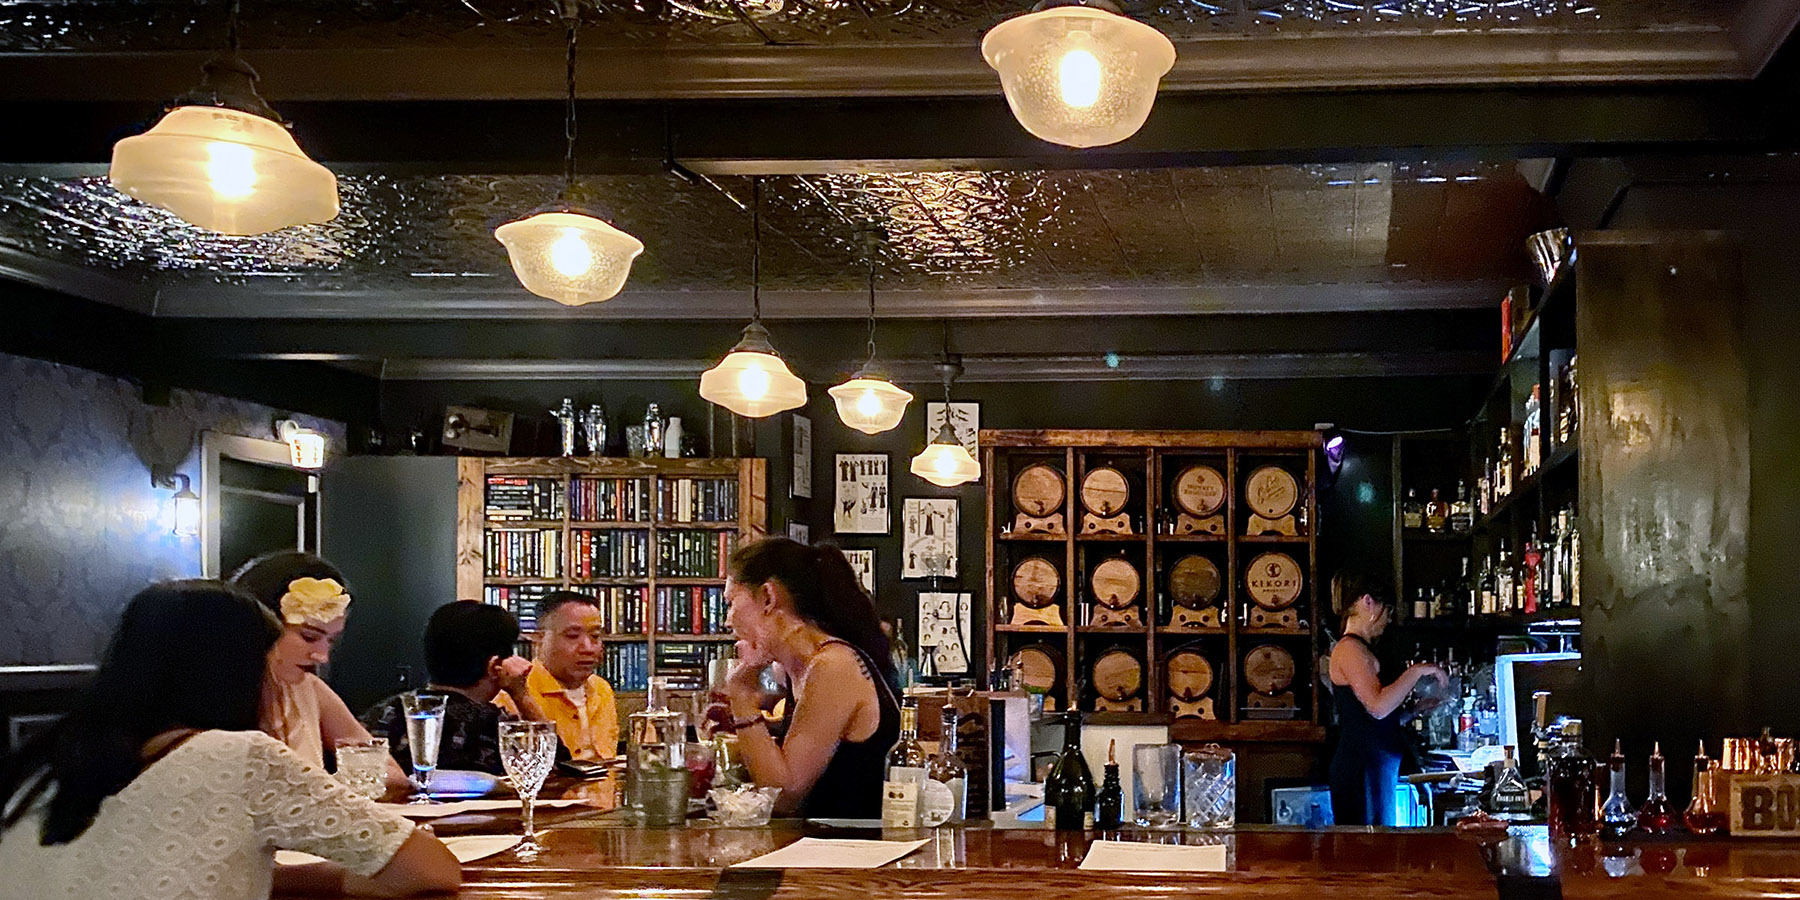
317,600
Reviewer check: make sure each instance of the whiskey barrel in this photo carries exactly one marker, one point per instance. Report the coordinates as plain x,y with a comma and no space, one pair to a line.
1039,490
1041,665
1035,582
1268,669
1199,490
1271,492
1273,581
1115,583
1104,491
1118,675
1194,582
1190,675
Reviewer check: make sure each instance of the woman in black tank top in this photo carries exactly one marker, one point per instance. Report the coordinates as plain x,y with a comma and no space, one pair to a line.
1366,766
803,607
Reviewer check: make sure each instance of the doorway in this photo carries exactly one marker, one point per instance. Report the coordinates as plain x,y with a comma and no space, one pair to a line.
256,502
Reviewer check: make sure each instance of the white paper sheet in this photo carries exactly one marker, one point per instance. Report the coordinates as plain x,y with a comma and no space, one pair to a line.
1131,856
832,853
466,848
458,807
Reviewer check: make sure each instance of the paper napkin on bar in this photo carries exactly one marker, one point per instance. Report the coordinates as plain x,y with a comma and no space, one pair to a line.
1132,856
466,848
832,853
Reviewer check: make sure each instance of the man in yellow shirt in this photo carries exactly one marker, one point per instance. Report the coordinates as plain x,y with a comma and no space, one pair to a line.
562,679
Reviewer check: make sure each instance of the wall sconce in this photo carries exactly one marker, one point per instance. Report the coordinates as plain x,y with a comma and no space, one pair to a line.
306,447
187,503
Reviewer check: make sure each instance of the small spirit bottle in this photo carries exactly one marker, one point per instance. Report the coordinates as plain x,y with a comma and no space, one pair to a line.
1571,792
1616,816
1703,814
1109,806
1511,801
1532,432
1657,816
1437,513
1412,513
1462,512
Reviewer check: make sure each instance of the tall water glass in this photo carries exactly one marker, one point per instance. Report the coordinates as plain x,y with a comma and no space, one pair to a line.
424,730
528,751
1210,776
362,766
1156,784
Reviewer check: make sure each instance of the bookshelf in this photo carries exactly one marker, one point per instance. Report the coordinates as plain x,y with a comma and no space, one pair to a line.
648,538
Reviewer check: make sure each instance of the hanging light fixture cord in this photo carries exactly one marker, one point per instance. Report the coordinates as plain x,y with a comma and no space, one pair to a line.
571,23
871,360
756,249
231,26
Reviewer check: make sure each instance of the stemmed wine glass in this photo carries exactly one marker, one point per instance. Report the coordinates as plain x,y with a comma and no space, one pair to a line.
424,731
528,751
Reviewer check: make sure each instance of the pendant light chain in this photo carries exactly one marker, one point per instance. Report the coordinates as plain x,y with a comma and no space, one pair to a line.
231,26
572,21
871,360
756,249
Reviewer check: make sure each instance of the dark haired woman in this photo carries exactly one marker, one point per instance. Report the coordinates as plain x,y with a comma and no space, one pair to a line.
158,784
1366,766
309,597
802,607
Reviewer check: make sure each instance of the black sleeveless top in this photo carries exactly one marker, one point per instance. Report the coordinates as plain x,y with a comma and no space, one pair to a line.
1362,733
850,786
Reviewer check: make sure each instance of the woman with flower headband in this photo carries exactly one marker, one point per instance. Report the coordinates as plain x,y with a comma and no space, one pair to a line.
299,709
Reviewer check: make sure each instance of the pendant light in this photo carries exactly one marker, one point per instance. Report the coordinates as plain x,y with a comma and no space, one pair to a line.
1078,72
561,251
945,462
869,402
222,160
751,380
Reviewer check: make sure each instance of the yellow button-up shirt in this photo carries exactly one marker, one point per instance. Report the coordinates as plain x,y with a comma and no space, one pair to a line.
590,731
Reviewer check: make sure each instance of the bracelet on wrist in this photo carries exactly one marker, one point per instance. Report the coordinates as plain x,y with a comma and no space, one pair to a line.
748,722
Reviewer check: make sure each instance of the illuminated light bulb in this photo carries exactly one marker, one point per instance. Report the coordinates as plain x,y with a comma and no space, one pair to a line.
945,464
753,383
1078,77
570,255
752,380
231,168
868,404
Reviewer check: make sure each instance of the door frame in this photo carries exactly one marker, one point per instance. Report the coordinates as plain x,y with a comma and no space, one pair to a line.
214,446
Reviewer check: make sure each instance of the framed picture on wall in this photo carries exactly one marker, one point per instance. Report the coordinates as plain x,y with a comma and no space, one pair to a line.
928,545
800,531
944,630
802,481
861,505
862,562
965,421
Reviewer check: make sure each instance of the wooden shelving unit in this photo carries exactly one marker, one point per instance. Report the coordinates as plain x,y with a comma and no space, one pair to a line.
750,477
1152,462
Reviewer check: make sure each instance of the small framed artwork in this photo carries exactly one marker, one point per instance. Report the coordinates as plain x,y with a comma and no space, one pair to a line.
965,422
944,630
928,547
861,505
862,562
802,480
800,531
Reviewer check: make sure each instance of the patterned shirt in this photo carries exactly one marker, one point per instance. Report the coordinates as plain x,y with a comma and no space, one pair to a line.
471,738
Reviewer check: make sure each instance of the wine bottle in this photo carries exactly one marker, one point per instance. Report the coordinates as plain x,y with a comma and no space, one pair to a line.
906,764
1109,807
945,789
1069,791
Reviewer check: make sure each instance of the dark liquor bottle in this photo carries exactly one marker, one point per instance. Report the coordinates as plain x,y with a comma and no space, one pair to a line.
1571,792
1617,817
1703,814
1657,816
1109,807
1069,791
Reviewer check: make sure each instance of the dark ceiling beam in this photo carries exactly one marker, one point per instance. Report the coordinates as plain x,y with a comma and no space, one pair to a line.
814,136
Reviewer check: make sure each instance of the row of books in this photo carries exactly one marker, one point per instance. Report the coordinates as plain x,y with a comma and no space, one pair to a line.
689,660
519,497
610,554
691,610
609,499
626,666
693,554
523,553
525,602
621,608
698,500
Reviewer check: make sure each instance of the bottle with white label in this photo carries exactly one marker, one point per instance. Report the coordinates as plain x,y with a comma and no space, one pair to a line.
944,791
906,765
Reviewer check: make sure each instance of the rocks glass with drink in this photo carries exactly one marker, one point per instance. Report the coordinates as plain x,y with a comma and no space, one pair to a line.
528,751
362,766
424,731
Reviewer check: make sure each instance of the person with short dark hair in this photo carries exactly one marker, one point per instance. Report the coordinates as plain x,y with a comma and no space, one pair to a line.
469,657
571,636
1366,767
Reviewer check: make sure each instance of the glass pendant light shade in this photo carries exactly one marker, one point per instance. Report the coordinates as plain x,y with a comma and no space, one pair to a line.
1080,76
568,255
751,380
945,462
869,403
225,170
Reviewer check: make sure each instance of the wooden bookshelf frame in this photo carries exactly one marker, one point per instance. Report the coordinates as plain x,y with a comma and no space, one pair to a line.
1074,446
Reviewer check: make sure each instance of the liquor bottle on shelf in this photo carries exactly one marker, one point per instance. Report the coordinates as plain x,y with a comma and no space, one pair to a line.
1528,575
1069,791
1503,467
906,765
1437,514
1466,589
1510,799
945,789
1551,578
905,669
1462,512
1109,806
1412,512
1617,817
1532,433
1484,488
1570,786
1421,607
1489,586
1656,816
1568,408
1503,587
1573,566
1703,815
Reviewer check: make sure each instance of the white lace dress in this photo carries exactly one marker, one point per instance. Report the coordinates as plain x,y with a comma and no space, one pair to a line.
203,823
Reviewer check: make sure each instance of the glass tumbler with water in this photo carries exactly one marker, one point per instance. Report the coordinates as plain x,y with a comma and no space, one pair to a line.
1209,775
528,751
424,730
362,766
1156,784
